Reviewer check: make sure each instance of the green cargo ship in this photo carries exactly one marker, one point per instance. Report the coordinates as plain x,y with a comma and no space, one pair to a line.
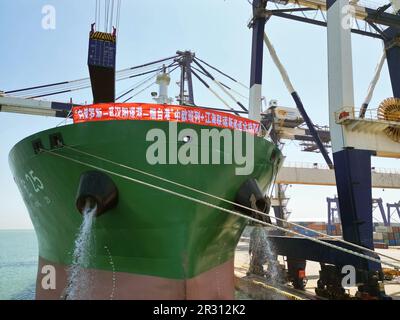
151,244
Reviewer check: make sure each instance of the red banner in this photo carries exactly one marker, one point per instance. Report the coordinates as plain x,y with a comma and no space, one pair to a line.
160,112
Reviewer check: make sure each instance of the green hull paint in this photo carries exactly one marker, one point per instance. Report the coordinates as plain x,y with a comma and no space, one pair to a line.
149,232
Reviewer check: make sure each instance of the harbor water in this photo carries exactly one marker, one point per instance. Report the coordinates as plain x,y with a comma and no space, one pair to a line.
18,264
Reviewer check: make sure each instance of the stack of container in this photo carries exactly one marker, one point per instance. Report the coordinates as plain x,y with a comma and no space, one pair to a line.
321,227
334,229
385,236
301,230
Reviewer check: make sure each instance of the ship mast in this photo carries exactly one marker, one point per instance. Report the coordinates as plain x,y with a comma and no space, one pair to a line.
185,59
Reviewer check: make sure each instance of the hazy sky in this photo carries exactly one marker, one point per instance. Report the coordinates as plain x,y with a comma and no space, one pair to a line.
215,29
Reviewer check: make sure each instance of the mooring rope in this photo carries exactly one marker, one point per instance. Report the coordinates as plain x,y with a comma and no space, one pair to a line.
205,203
228,201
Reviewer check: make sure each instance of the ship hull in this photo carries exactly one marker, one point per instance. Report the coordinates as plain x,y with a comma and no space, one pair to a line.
214,284
153,244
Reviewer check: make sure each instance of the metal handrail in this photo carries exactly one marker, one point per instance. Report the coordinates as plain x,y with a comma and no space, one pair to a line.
370,114
322,166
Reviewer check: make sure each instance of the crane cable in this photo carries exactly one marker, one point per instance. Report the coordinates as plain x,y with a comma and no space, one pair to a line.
105,16
226,201
87,78
98,13
224,74
121,75
112,10
151,84
213,92
135,86
177,66
205,203
88,85
219,85
224,84
112,15
118,15
95,12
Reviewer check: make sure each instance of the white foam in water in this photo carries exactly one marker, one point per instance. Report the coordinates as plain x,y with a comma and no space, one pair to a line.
79,280
267,251
273,268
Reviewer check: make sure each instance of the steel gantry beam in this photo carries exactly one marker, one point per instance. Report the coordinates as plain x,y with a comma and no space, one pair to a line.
320,23
375,16
35,107
319,175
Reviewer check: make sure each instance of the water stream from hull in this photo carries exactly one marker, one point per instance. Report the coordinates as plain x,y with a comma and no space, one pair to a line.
263,252
79,277
273,263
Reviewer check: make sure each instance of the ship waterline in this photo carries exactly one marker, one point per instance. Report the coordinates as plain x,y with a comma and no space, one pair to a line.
214,284
150,239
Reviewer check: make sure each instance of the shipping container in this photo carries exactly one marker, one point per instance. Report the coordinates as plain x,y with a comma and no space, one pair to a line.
385,236
378,236
382,229
380,245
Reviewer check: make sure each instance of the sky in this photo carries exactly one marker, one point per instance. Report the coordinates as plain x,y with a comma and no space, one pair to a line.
216,30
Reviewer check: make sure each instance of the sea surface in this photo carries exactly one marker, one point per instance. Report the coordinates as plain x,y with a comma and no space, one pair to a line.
18,264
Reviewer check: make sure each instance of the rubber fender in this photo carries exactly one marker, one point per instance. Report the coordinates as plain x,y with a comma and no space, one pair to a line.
99,188
250,195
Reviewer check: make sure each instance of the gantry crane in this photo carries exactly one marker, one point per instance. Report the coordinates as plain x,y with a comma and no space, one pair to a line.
354,138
